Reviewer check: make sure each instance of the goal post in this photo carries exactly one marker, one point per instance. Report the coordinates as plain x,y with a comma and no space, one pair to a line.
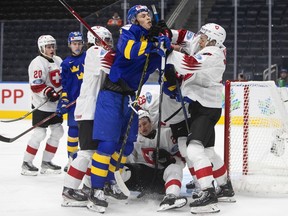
256,137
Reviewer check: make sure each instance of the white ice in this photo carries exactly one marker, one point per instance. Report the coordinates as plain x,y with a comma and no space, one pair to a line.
41,195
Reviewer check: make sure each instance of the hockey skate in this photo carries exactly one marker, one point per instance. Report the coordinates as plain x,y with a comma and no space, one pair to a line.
96,201
73,198
113,190
190,186
205,203
50,168
171,201
28,169
225,193
86,190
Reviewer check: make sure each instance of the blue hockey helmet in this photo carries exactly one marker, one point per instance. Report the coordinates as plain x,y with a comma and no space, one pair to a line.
133,11
75,36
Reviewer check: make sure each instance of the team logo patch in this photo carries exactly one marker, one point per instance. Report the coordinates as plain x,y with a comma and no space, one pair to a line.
189,35
148,97
198,56
37,81
55,78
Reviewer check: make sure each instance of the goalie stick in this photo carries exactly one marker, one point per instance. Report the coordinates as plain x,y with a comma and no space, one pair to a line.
77,16
27,114
9,140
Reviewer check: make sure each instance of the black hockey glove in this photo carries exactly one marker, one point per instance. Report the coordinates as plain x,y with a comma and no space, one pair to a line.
154,31
165,158
51,94
170,74
164,29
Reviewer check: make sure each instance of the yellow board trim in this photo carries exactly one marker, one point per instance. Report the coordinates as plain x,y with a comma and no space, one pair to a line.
5,114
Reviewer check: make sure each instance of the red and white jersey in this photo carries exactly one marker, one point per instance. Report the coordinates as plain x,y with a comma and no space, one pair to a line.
144,148
97,64
187,40
42,74
202,74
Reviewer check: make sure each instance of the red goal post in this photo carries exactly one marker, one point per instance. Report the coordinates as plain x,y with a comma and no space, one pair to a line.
256,136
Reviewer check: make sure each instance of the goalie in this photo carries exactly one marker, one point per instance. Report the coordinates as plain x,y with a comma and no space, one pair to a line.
140,170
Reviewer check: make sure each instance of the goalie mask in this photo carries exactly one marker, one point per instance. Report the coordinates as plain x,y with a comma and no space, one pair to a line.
45,40
76,42
136,9
103,33
214,32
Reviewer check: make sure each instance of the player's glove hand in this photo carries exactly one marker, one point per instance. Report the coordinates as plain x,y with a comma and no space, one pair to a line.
61,107
164,29
153,32
158,45
164,158
51,94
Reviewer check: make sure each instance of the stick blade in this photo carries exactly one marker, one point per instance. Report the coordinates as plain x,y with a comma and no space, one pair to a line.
6,139
121,183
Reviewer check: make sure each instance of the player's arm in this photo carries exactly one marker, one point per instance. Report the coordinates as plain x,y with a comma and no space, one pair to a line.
131,48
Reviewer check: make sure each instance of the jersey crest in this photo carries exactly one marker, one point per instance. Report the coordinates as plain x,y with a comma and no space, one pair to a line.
55,78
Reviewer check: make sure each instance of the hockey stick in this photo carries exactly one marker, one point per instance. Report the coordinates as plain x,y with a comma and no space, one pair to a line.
162,70
9,140
117,174
27,114
77,16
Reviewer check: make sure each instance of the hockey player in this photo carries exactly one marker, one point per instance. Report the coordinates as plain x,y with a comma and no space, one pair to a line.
72,76
45,82
141,164
202,88
97,64
112,113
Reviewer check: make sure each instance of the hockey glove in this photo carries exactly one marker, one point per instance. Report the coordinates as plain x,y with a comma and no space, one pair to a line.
158,45
164,29
165,158
51,94
61,107
154,31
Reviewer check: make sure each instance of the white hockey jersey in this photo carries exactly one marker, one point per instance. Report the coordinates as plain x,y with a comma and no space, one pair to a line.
97,64
43,73
144,147
149,101
202,74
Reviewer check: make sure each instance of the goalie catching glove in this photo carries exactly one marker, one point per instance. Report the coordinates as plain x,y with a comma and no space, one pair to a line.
164,157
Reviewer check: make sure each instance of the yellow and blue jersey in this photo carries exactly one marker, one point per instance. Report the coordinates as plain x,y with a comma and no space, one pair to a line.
72,75
132,50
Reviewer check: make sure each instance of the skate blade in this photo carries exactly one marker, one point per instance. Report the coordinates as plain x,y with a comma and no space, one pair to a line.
212,208
50,172
29,173
73,203
92,207
178,204
226,200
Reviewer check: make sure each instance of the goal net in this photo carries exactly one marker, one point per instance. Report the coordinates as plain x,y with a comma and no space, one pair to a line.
256,136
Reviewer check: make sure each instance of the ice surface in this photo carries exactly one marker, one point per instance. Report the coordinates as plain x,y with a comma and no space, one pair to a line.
41,195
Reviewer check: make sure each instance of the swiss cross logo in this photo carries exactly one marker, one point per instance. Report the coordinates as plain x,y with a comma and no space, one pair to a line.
147,154
55,78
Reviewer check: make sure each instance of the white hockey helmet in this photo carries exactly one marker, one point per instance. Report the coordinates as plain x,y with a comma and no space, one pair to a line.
44,40
143,113
214,32
103,33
